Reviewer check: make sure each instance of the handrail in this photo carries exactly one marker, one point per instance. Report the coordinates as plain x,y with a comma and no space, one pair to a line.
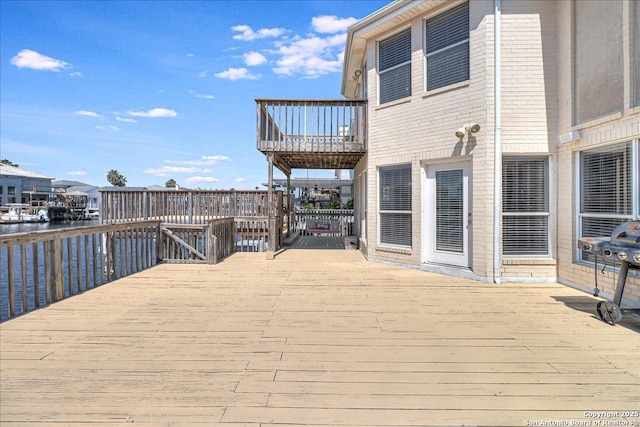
44,267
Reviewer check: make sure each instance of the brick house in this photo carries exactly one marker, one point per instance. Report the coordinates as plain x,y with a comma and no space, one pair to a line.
499,132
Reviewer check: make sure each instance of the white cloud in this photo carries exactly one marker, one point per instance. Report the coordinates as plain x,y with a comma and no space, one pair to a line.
169,170
154,112
76,173
205,161
75,74
215,158
254,58
331,24
200,95
248,34
88,114
27,58
207,179
312,56
110,127
203,74
241,179
126,119
237,74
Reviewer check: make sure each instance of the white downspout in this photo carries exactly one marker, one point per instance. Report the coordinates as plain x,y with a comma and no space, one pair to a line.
497,161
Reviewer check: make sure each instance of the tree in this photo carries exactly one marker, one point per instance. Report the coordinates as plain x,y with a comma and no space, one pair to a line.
116,179
9,163
171,183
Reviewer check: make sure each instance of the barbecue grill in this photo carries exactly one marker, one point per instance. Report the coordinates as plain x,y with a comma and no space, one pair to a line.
623,246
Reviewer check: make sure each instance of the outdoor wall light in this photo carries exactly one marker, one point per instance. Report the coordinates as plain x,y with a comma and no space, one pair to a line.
469,127
357,74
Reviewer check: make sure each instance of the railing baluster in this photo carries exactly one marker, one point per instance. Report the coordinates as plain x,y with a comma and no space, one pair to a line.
36,274
23,270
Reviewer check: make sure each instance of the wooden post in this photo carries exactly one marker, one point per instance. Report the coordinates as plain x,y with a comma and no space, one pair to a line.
23,268
12,289
270,212
57,281
159,245
289,207
212,246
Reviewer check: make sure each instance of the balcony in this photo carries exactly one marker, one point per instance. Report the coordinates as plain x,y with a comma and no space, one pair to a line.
312,134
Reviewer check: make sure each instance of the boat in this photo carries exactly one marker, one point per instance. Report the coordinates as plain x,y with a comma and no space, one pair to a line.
22,212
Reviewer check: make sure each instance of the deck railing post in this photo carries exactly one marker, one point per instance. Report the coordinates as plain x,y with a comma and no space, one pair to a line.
212,245
57,281
159,245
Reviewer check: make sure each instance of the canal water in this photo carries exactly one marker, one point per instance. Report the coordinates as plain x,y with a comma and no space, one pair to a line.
42,226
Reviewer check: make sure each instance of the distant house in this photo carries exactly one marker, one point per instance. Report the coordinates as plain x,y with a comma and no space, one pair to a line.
78,189
22,186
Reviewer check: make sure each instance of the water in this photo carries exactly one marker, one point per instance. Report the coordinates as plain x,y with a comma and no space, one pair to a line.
42,226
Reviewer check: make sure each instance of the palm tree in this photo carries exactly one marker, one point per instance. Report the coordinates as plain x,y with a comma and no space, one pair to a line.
116,179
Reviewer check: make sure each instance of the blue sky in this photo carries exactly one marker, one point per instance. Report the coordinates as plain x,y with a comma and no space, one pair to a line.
160,89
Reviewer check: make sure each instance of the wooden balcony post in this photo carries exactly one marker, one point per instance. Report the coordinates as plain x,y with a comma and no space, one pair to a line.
271,214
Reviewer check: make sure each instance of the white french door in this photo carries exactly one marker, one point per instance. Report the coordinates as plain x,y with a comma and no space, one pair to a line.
446,217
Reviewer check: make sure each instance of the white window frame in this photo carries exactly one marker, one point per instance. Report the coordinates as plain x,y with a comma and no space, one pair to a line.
444,49
635,193
381,212
541,214
395,67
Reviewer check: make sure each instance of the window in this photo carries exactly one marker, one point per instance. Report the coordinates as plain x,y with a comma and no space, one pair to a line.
525,206
447,47
598,59
607,190
394,66
395,205
11,194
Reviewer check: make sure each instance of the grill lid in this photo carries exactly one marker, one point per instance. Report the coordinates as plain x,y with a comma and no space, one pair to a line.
627,234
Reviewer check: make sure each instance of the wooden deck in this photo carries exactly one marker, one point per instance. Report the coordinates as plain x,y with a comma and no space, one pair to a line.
316,338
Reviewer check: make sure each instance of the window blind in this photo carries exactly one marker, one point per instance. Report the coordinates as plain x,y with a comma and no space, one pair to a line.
447,47
525,206
394,66
450,211
606,180
395,205
606,191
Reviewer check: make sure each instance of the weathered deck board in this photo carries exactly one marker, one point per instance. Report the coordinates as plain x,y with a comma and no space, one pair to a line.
317,338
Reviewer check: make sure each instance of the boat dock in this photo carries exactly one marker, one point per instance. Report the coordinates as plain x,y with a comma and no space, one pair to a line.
316,337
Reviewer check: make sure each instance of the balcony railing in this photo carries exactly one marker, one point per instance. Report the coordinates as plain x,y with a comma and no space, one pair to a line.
315,126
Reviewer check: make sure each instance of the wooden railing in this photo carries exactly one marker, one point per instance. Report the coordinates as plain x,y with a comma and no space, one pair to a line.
344,217
183,207
198,243
304,125
43,267
40,268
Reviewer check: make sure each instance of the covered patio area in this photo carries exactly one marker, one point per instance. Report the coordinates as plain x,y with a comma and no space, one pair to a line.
319,338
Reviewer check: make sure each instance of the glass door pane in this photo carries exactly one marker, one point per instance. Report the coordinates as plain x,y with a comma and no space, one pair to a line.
450,211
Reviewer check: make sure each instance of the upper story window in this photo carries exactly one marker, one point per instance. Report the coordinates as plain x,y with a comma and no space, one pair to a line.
598,78
394,66
447,47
